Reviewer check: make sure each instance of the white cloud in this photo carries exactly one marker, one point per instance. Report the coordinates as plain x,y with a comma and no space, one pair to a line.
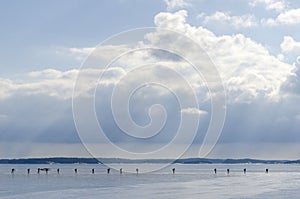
290,45
244,21
246,67
277,5
289,17
81,53
48,82
46,74
280,57
291,50
55,83
84,51
168,20
172,4
78,53
193,111
7,87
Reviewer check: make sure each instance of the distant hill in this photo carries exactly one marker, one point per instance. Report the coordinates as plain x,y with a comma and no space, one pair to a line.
253,161
198,161
293,162
229,161
62,160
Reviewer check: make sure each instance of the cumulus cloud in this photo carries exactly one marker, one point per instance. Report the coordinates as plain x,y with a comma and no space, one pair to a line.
290,45
277,5
246,67
286,15
290,50
289,17
171,4
171,20
244,21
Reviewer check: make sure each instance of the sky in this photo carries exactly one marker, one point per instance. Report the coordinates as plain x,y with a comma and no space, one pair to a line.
47,46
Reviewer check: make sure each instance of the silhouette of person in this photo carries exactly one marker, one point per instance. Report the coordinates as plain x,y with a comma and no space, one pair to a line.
75,170
173,170
46,169
137,171
39,170
215,170
57,171
93,171
245,170
228,171
12,171
121,171
108,170
28,171
267,170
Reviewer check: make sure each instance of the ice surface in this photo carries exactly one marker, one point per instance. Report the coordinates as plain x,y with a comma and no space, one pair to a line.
189,181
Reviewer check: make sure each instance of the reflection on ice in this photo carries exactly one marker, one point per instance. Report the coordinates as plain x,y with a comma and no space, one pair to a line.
189,181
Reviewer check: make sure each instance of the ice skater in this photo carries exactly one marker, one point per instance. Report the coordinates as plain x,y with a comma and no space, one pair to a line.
75,170
137,171
173,170
93,171
121,171
245,170
267,170
215,170
12,171
108,170
28,171
228,171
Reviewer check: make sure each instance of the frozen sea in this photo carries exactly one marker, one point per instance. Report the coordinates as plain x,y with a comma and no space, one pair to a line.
189,181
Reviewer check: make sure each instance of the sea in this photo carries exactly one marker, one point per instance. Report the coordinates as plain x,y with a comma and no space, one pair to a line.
188,181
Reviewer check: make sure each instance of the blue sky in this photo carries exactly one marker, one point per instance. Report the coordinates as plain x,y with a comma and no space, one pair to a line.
38,29
254,44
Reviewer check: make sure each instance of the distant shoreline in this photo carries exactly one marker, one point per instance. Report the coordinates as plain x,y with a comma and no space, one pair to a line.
65,160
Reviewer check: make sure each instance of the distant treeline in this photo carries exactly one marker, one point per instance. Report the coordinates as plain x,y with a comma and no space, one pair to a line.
50,161
62,160
234,161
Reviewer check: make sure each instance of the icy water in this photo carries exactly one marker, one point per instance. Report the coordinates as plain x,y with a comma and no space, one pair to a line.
189,181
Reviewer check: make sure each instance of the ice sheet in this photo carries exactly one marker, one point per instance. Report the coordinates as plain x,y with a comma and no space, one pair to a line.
189,181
